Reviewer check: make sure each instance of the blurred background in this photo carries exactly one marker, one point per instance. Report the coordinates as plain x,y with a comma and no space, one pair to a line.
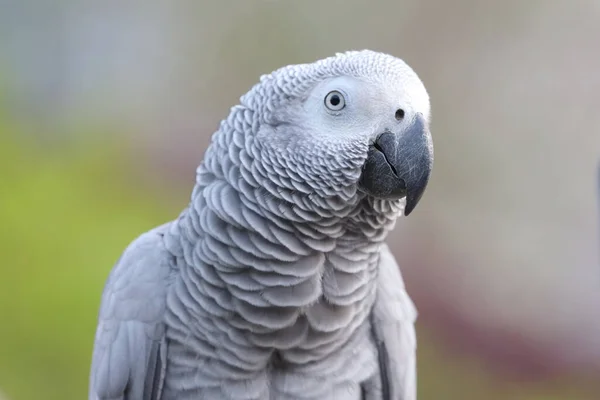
106,109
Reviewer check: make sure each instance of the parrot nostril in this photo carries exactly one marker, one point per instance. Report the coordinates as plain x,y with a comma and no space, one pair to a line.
399,114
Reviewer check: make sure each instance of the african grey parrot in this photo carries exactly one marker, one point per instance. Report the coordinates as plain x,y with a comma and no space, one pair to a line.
275,281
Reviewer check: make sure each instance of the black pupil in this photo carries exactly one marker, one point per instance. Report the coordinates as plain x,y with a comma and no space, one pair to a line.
334,100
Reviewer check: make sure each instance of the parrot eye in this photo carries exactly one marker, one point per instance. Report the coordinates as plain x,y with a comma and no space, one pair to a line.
335,101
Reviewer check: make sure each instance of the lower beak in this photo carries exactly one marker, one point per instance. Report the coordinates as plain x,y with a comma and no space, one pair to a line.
399,164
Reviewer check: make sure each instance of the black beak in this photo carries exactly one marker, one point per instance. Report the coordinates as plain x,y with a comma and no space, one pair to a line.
399,164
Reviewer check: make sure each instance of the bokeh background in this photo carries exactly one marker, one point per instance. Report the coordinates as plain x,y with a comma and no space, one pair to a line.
107,107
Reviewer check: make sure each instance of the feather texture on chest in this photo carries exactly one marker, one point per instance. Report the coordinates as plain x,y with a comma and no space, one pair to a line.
244,279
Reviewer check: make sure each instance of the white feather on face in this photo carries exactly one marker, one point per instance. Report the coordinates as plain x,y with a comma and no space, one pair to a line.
390,79
300,131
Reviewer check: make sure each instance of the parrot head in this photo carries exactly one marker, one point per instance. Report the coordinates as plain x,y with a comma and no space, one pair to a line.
351,125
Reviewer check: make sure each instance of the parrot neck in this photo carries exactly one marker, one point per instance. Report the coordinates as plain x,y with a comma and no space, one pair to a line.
274,256
279,250
260,266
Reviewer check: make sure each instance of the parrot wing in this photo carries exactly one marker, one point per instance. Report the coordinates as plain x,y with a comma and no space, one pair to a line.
392,323
128,360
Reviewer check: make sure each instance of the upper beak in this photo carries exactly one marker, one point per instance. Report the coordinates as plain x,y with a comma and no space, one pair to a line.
399,164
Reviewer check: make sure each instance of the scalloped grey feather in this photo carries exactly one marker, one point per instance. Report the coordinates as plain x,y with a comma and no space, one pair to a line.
275,281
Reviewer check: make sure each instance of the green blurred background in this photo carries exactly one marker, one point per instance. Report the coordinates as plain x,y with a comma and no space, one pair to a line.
106,109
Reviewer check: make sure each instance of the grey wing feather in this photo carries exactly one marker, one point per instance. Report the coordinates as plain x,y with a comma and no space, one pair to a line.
129,348
392,322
